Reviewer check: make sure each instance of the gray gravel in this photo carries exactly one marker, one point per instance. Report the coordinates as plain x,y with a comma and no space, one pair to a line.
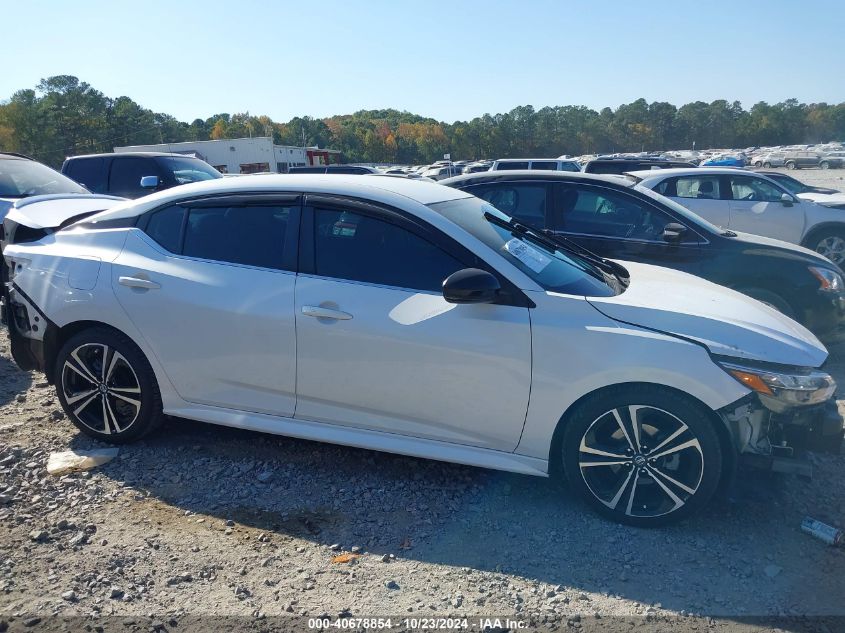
200,519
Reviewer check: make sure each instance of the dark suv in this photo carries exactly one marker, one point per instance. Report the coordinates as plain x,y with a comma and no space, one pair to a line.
135,174
619,166
333,169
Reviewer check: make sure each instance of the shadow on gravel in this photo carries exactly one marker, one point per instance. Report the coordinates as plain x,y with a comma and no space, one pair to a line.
13,381
740,557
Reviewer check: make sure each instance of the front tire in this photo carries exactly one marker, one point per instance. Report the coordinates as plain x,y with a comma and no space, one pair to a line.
767,165
770,299
791,165
830,244
106,386
824,165
644,456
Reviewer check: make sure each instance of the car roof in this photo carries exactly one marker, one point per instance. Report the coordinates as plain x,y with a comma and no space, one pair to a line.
645,174
534,174
393,191
136,154
14,156
522,160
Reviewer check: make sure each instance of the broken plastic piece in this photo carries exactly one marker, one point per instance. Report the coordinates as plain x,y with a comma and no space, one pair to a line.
70,461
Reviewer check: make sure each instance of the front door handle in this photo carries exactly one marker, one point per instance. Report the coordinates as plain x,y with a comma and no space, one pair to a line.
325,313
137,282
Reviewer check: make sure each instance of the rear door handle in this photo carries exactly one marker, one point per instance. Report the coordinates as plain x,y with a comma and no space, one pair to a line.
325,313
137,282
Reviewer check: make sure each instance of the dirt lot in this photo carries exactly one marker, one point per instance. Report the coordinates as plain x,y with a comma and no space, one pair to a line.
201,519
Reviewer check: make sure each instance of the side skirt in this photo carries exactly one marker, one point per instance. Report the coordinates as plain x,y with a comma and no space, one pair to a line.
362,438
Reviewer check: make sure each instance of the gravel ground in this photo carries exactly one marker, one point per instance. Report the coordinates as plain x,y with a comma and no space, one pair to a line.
206,520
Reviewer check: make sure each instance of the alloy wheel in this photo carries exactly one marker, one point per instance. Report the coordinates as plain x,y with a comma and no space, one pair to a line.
832,247
101,388
641,460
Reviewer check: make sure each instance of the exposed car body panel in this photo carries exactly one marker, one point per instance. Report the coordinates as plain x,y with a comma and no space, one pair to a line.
50,211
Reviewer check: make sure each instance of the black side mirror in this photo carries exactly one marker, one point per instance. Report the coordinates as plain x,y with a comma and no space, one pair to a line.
471,285
673,231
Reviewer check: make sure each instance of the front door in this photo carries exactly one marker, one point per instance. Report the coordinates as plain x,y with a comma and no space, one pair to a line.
378,347
756,207
207,287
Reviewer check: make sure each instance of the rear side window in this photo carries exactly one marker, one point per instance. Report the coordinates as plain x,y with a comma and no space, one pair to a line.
548,165
251,235
357,247
526,203
88,172
126,174
701,187
513,165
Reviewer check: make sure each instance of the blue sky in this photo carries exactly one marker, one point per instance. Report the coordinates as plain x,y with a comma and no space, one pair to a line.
451,60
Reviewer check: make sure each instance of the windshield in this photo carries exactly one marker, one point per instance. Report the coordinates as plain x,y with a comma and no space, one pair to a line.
187,170
791,184
553,270
688,215
21,178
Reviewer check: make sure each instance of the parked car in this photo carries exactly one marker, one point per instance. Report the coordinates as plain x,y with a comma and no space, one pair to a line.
750,202
723,160
441,171
545,164
622,165
801,160
474,168
35,200
334,169
771,159
620,220
409,317
135,174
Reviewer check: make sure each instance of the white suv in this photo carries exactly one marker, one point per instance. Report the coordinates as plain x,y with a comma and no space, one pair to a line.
546,164
749,202
409,317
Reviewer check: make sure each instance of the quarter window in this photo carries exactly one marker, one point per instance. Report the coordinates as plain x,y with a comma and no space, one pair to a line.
165,227
701,187
357,247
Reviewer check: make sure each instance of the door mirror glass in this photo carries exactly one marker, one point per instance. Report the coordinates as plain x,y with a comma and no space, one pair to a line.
471,285
673,231
149,182
787,200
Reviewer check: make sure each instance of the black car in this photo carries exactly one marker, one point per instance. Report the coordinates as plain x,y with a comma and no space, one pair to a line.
333,169
622,165
614,218
136,174
793,184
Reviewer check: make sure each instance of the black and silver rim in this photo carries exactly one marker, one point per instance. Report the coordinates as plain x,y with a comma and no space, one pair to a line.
832,247
101,388
641,460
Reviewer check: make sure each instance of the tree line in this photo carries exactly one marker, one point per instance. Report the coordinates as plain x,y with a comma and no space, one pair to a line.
64,116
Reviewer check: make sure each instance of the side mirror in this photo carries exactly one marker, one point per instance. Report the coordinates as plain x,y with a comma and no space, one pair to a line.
471,285
149,182
673,231
787,200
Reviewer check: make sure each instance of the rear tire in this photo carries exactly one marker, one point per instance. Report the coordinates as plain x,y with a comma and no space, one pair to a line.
644,455
767,165
106,386
824,165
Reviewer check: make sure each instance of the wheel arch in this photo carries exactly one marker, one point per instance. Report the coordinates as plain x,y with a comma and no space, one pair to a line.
62,334
814,232
723,432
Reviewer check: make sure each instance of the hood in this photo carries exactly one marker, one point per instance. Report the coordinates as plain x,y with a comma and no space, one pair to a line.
51,211
726,322
826,199
790,250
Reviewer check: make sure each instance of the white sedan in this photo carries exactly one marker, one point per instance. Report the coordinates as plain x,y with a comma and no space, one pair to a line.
409,317
746,201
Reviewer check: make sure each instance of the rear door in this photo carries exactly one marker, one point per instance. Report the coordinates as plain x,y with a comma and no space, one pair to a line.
756,207
379,348
210,286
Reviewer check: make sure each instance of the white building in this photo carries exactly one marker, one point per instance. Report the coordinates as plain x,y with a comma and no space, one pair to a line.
244,155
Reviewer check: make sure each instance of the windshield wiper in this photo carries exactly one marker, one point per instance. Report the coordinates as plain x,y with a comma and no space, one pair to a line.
555,242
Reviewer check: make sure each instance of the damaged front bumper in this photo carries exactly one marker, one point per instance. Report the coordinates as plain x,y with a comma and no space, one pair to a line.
32,336
778,440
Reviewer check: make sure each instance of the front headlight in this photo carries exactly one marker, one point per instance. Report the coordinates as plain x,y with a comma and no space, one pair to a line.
780,390
829,280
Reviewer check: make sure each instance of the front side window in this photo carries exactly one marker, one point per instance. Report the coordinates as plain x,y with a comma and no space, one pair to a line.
526,203
187,170
699,187
358,247
754,189
21,178
252,235
126,174
603,212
